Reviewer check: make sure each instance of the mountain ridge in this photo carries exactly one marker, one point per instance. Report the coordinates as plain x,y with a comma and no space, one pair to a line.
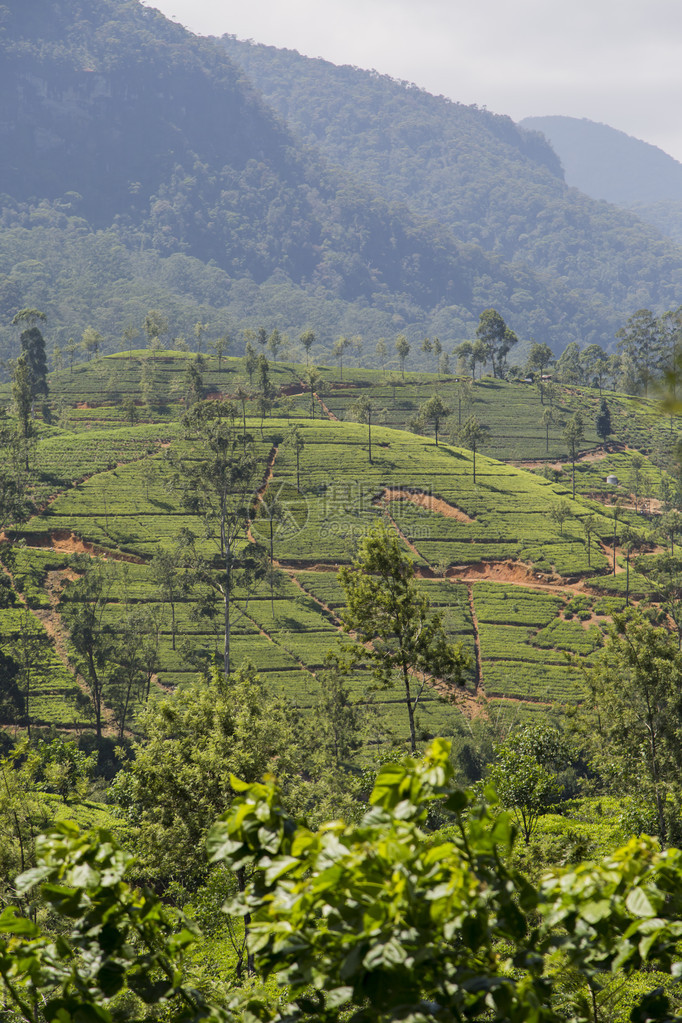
115,120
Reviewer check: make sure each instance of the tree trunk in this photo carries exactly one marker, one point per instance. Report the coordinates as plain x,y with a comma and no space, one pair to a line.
369,433
250,966
96,694
627,578
226,659
410,708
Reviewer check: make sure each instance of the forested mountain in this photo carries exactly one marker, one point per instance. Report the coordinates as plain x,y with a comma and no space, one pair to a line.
478,174
116,121
139,167
609,164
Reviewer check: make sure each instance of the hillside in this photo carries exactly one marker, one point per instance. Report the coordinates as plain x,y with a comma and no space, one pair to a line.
517,584
609,164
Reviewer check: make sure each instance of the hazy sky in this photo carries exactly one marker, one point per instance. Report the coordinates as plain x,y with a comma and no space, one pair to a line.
615,61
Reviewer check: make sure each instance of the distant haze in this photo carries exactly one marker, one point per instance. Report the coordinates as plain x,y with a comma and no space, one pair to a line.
618,62
608,164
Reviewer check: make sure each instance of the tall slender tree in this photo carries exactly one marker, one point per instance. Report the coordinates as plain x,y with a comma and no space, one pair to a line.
435,411
470,435
392,623
33,349
574,435
84,611
219,487
402,347
307,341
22,396
294,440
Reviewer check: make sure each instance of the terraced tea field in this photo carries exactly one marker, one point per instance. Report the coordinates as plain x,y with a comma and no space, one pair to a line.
511,576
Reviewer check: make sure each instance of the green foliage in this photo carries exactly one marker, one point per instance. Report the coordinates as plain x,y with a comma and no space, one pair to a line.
63,768
397,953
603,421
389,921
443,160
220,490
631,715
435,411
209,730
524,774
391,621
114,938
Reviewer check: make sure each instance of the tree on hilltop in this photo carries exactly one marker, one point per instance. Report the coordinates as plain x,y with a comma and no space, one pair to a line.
539,358
33,349
470,435
155,326
493,331
574,435
435,411
639,342
220,346
338,351
307,341
91,342
603,421
22,396
402,347
219,488
362,410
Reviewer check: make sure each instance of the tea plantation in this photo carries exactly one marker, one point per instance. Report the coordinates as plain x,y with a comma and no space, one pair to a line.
522,572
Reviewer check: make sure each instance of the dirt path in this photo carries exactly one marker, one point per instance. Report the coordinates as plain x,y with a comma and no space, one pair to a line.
68,542
329,415
427,501
269,471
329,612
514,572
262,631
410,546
595,455
383,500
262,490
